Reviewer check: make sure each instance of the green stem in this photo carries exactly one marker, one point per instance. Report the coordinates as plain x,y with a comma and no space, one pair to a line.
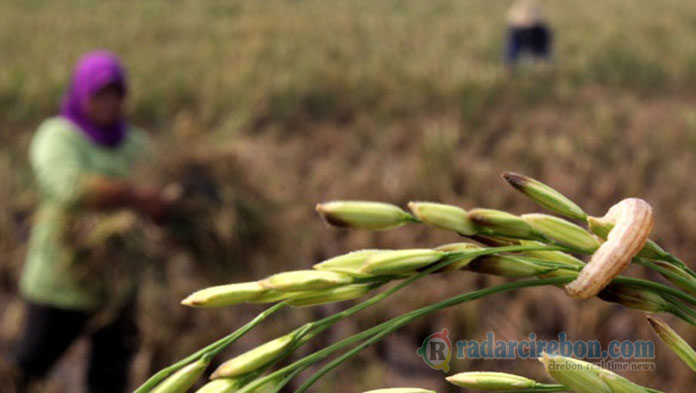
386,328
401,320
454,256
656,286
681,312
308,331
542,389
551,264
667,257
212,349
679,263
687,297
449,259
673,276
671,294
680,309
398,322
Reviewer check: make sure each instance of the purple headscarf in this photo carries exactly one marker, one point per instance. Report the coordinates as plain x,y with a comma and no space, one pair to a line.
94,71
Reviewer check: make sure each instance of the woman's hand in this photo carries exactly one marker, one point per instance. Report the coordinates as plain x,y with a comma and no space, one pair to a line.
153,203
104,193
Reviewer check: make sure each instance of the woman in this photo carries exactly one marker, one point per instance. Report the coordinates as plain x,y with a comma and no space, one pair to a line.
81,160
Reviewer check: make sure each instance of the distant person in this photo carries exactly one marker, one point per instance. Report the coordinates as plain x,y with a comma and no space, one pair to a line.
528,33
81,160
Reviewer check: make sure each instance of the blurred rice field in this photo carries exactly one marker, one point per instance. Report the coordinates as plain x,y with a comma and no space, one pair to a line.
295,102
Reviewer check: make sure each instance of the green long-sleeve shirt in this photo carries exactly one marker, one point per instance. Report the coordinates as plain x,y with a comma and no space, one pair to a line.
62,158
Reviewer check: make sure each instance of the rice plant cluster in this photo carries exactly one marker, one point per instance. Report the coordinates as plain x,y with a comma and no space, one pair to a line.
536,249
